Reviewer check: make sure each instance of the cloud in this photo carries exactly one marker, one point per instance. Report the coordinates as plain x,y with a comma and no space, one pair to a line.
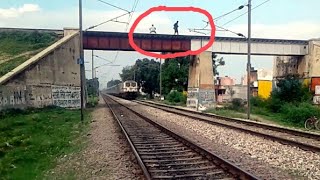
16,12
292,30
163,22
69,18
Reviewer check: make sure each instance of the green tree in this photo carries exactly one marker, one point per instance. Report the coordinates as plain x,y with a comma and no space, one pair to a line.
127,73
92,86
289,90
216,62
175,74
113,82
146,74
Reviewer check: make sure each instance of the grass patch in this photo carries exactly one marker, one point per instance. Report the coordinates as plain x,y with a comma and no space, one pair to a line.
16,43
10,65
92,101
31,141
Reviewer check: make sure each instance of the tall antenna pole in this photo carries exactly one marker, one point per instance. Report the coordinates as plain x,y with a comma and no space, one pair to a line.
249,60
81,60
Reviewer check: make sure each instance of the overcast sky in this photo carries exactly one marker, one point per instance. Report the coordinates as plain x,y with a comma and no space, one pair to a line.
285,19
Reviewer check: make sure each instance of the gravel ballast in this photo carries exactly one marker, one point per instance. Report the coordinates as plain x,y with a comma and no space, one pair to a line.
262,157
106,156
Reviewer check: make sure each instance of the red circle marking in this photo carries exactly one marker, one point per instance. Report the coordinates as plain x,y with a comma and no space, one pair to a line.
179,54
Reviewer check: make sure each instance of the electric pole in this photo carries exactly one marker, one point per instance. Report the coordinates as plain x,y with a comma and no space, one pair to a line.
249,60
92,66
81,60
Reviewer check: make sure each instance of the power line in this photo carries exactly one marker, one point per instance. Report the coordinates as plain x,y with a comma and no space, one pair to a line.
135,4
103,58
223,15
112,19
113,6
217,18
239,8
245,13
238,34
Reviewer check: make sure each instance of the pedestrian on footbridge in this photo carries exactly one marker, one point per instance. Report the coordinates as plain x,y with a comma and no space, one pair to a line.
152,29
175,27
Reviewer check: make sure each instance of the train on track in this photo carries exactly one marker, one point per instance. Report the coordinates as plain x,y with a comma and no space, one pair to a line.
126,90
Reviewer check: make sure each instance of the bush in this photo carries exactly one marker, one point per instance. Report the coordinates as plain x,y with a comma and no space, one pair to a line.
92,101
176,97
297,114
236,104
274,104
258,101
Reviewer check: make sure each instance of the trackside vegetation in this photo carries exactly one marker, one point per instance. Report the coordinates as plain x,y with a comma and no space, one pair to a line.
17,46
290,104
32,140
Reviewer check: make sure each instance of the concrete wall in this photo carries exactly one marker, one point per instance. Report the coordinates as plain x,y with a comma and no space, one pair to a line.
201,82
232,92
314,58
284,65
49,78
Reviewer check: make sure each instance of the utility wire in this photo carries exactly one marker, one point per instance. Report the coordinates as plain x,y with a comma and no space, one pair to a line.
239,34
107,21
113,6
223,15
103,58
245,13
239,8
135,4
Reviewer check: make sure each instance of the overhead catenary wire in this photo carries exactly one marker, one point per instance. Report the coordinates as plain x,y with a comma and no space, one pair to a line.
221,27
223,15
135,4
113,5
236,33
110,20
245,13
102,58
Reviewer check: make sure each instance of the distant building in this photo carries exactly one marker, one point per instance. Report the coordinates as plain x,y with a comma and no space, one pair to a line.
261,81
226,90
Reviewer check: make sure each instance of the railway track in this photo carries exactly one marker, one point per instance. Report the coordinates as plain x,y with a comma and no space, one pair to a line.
162,154
304,140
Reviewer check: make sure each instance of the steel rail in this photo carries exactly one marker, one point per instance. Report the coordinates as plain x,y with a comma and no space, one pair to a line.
301,145
219,161
140,162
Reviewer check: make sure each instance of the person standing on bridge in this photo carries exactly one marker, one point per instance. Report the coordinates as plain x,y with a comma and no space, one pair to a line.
175,27
152,29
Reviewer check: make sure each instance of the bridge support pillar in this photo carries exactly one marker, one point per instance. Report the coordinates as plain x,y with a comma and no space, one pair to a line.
313,59
201,93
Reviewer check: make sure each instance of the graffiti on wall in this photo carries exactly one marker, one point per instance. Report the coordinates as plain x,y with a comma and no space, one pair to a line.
39,96
66,96
192,98
206,97
12,97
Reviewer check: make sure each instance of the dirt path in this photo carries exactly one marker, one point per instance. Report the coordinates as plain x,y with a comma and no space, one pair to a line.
106,156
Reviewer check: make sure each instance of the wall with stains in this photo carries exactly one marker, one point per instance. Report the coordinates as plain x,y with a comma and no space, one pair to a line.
53,80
